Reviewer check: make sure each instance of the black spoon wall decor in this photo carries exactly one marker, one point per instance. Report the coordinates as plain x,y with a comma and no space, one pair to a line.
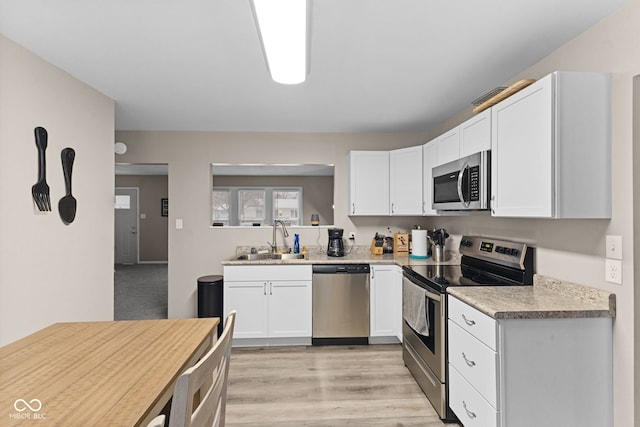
67,205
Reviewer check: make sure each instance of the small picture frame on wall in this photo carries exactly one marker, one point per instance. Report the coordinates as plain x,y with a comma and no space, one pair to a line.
164,207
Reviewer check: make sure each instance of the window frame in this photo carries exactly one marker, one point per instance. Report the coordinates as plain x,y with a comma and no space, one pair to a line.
234,204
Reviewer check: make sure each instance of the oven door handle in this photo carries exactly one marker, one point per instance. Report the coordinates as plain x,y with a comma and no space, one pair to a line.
460,178
431,295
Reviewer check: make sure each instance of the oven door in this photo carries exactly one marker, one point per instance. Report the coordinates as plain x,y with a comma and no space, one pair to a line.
429,348
425,356
462,184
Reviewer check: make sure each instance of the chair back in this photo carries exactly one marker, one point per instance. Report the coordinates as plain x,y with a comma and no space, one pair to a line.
157,421
210,377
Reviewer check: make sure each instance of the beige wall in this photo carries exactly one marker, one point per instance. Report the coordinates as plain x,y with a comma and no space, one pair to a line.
153,233
51,272
317,191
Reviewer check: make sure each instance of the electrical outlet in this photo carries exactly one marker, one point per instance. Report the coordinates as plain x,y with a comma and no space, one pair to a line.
613,271
614,247
352,235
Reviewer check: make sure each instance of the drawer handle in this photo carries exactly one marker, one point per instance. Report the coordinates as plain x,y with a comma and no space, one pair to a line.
469,363
467,321
470,414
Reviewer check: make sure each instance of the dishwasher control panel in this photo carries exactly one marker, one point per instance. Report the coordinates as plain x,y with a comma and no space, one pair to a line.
341,268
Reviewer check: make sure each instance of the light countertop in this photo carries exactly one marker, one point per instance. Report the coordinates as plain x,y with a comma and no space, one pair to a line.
548,298
359,255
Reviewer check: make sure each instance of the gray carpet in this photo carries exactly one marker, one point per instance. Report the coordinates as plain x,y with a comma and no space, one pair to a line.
140,291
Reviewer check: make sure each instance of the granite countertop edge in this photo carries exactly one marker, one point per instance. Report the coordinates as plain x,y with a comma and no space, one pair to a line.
548,298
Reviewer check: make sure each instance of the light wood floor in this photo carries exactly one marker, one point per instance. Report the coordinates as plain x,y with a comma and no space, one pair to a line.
325,386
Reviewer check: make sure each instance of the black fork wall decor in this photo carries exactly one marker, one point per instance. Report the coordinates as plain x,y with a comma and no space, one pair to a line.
40,190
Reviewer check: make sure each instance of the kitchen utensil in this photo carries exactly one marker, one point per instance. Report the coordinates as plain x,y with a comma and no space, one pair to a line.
438,237
40,190
67,205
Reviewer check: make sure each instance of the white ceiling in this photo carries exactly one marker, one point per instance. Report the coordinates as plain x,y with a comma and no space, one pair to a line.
376,65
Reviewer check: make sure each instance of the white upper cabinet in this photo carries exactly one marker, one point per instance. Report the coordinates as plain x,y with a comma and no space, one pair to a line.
551,149
448,147
475,134
405,168
369,183
429,160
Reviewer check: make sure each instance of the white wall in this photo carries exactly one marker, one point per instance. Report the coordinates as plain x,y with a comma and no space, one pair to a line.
51,272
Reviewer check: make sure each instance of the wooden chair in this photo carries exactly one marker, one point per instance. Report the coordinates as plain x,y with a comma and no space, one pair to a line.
209,376
157,421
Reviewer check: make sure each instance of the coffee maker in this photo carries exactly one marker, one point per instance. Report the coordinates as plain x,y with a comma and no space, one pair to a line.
336,244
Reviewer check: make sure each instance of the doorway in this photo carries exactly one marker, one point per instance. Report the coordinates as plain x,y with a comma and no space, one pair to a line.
141,242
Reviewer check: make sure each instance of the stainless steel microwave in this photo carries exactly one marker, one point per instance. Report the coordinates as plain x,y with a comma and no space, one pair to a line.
462,184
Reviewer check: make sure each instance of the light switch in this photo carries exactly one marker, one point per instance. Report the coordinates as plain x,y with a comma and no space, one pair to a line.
614,247
143,216
179,224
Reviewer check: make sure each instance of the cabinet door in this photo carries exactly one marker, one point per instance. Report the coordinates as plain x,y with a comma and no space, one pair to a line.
429,160
369,183
385,305
522,157
289,309
249,299
448,146
406,181
475,134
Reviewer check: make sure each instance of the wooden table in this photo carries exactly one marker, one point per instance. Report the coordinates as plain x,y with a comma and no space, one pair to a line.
98,373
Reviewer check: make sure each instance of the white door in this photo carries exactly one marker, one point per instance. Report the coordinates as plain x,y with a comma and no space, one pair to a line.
385,308
250,300
290,309
369,187
522,153
126,226
405,173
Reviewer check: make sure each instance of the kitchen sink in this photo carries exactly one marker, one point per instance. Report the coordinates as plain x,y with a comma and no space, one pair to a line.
287,256
263,257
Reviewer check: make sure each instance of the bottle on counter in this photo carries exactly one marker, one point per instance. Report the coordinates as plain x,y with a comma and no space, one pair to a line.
296,244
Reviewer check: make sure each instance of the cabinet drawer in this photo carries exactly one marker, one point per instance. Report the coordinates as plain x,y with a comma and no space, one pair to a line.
247,273
475,361
468,405
473,321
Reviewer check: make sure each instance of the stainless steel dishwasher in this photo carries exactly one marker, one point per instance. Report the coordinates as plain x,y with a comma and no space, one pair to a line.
340,304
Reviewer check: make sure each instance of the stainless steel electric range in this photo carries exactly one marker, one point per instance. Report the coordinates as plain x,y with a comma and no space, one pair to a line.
485,262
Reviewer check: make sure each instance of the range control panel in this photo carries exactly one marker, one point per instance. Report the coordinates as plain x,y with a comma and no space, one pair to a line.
498,251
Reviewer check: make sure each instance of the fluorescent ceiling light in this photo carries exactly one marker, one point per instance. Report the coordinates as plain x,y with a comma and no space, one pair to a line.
283,30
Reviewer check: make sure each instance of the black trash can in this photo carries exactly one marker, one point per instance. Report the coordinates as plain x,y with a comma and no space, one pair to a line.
210,298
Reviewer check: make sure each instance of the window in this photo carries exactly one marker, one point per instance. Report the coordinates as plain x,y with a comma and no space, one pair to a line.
123,201
221,206
286,206
251,207
248,206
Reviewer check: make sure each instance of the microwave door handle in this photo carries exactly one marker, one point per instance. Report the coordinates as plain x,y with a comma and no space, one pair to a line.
460,177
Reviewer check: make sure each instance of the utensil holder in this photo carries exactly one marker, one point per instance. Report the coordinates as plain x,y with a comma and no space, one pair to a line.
438,253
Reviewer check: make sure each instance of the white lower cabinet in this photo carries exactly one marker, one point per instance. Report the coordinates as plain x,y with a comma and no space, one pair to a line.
529,372
273,302
385,303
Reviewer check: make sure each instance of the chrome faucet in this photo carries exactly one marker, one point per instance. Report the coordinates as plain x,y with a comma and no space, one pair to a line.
285,233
